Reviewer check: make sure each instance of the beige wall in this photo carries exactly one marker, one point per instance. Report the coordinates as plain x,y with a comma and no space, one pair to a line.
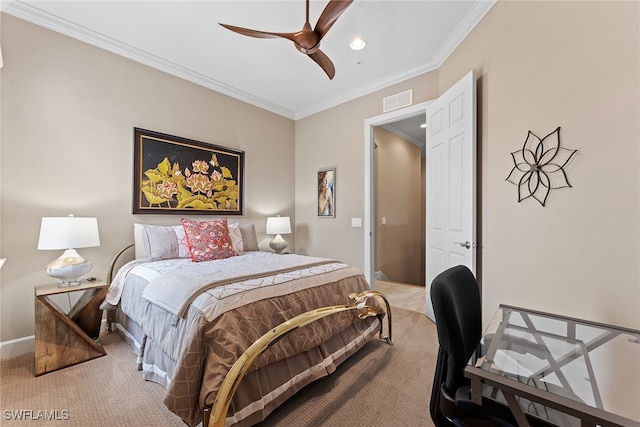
398,188
68,112
539,65
335,137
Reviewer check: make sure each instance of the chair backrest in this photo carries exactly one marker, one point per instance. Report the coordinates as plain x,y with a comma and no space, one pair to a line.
455,297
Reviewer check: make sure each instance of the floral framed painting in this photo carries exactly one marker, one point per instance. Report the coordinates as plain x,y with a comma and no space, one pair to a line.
174,175
327,193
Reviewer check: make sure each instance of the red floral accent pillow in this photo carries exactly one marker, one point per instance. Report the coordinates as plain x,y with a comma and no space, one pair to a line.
208,240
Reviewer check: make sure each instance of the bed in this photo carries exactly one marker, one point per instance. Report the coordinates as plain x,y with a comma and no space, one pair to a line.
189,322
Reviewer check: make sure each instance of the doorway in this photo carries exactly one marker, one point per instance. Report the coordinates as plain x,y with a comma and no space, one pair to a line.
399,193
394,237
451,181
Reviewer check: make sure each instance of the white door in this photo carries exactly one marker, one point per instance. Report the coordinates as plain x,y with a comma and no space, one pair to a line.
451,182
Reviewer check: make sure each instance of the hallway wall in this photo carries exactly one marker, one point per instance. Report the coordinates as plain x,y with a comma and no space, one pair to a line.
399,242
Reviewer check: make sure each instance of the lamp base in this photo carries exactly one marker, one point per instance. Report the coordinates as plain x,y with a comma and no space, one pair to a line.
68,268
278,244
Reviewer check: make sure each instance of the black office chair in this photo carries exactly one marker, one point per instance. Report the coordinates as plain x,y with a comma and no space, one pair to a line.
455,297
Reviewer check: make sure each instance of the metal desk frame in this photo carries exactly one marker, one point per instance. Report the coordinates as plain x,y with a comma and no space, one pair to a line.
589,416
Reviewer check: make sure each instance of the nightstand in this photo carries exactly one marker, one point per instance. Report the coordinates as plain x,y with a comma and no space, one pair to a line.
65,339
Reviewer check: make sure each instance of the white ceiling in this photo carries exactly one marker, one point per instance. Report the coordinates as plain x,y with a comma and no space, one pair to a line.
183,38
410,129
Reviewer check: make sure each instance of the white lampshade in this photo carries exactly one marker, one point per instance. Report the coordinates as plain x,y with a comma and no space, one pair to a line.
278,225
68,233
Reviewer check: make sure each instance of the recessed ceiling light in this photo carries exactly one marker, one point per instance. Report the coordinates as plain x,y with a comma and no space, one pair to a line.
424,125
358,44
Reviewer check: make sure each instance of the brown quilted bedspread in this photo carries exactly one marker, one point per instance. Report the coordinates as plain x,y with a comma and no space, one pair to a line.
218,344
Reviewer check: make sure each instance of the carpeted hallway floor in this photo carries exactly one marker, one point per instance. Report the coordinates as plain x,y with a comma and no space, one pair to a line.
380,385
403,295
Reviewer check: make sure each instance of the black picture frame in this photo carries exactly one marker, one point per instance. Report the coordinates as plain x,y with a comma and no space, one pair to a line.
175,175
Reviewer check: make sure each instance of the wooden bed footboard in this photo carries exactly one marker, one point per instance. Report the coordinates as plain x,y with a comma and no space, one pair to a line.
243,364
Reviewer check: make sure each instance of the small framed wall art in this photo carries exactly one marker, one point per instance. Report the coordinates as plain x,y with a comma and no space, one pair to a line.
174,175
327,193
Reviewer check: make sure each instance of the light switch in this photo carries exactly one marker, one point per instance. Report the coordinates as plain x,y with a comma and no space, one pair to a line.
356,222
384,220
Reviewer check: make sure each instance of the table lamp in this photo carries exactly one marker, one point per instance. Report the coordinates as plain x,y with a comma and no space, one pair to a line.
278,225
68,233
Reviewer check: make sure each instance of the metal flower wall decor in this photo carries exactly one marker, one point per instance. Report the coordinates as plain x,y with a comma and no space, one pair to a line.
539,166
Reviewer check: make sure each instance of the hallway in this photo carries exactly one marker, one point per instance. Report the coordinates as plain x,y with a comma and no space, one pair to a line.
410,297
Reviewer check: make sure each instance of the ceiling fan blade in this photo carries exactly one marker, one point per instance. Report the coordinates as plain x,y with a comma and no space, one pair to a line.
259,34
330,14
324,62
306,40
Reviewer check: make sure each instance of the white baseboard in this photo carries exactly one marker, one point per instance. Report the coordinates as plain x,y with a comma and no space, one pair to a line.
379,275
23,345
16,347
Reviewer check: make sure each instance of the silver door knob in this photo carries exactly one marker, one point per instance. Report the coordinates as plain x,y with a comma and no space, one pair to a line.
466,244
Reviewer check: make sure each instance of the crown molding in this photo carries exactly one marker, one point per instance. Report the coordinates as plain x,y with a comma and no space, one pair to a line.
468,23
405,136
365,90
41,18
471,19
36,16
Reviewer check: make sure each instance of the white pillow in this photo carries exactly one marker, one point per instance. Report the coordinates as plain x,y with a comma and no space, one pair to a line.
160,242
243,237
236,238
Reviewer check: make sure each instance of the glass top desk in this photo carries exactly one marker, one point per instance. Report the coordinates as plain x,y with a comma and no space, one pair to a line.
567,371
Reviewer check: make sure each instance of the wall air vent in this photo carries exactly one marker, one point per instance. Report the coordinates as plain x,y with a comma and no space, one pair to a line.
398,100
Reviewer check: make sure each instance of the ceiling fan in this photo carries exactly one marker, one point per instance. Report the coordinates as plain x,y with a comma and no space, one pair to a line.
307,40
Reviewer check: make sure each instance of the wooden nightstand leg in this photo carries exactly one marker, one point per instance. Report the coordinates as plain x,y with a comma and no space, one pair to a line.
46,355
86,312
59,341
